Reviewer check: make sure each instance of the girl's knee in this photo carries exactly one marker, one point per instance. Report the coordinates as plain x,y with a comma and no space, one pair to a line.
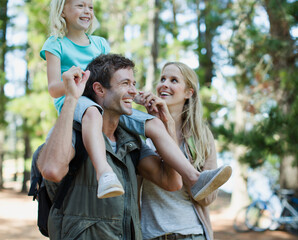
92,113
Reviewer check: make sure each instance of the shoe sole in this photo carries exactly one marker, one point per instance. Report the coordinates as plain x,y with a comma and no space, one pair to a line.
219,179
111,192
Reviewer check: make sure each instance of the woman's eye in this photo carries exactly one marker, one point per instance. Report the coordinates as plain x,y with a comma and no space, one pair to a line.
162,79
174,80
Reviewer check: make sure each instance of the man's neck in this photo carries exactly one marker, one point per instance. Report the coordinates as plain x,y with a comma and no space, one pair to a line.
109,126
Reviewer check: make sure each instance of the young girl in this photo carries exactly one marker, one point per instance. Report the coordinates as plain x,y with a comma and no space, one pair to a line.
70,44
178,102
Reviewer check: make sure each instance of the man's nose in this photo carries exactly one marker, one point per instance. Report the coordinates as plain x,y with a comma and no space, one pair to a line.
133,90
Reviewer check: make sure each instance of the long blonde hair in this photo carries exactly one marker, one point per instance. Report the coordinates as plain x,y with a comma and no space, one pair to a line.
194,128
57,22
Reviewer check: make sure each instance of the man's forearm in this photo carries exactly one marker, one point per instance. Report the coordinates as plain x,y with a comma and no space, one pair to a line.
55,156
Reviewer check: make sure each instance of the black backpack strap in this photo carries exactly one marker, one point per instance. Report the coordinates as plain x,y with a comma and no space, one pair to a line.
80,156
135,157
35,178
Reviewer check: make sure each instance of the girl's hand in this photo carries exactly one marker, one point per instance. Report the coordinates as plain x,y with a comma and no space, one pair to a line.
154,105
74,81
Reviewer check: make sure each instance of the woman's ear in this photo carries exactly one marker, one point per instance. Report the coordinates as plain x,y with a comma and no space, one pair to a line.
189,93
98,89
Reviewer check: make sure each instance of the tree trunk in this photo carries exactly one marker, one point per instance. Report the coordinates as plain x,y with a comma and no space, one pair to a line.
3,99
280,30
27,155
288,174
205,38
240,196
153,30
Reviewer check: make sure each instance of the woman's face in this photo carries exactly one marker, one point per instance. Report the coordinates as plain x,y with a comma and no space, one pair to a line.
172,86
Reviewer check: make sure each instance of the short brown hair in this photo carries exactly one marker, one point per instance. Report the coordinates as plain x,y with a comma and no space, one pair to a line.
102,69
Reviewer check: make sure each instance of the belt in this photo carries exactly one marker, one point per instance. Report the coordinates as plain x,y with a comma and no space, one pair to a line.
174,236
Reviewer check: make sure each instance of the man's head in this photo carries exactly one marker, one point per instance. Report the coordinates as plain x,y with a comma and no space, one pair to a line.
111,83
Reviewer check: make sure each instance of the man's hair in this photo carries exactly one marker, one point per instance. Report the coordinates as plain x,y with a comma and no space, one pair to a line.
102,69
58,26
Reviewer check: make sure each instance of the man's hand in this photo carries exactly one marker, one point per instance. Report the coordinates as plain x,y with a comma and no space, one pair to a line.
74,81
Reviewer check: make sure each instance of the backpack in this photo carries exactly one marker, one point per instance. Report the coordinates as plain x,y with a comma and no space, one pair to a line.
38,189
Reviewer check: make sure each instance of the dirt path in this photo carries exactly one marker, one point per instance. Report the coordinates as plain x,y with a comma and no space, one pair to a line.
18,221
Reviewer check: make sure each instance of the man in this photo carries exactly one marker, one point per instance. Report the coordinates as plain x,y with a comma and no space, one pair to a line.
83,215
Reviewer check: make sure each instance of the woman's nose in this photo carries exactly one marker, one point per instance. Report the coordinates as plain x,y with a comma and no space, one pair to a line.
165,84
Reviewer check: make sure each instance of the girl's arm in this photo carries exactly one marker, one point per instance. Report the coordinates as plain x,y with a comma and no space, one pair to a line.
55,85
158,108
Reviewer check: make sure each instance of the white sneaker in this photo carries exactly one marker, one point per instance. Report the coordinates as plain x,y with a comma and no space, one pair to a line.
109,186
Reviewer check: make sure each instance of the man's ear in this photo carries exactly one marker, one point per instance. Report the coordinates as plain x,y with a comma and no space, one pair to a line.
189,93
98,89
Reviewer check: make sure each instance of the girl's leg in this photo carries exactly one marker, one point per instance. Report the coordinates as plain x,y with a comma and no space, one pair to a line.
201,184
108,183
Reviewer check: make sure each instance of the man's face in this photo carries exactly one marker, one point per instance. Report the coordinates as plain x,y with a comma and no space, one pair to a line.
118,99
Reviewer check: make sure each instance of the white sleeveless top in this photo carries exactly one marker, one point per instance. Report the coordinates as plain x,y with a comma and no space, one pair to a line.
167,212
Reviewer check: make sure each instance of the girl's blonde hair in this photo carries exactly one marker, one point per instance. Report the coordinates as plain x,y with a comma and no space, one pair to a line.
57,22
195,131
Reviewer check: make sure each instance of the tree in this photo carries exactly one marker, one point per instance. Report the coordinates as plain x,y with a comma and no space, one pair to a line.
266,88
3,99
153,30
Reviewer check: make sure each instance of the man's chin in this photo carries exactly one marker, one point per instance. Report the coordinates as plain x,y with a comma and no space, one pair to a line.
127,111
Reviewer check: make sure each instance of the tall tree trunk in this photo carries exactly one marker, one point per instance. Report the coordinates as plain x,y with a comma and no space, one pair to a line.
26,138
280,30
153,30
27,155
205,38
3,99
239,195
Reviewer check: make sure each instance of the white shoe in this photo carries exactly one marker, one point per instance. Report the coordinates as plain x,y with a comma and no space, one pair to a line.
109,186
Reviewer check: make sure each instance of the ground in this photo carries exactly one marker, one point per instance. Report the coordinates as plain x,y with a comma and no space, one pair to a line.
18,220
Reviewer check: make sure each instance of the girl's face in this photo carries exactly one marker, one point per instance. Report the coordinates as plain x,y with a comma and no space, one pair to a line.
78,14
172,86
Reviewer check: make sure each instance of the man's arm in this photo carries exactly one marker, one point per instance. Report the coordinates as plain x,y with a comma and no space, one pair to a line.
157,171
55,156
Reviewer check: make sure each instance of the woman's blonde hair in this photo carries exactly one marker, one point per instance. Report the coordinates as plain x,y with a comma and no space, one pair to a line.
194,128
57,22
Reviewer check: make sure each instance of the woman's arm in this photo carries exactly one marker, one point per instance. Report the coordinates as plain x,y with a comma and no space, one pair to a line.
55,85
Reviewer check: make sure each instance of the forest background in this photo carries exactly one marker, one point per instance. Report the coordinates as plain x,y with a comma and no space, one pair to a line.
244,52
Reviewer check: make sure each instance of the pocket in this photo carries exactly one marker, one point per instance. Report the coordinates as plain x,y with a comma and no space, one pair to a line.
85,228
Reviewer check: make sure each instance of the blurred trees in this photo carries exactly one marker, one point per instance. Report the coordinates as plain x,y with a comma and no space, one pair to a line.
250,38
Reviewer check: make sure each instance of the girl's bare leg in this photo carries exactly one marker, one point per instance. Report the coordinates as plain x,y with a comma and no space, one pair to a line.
108,183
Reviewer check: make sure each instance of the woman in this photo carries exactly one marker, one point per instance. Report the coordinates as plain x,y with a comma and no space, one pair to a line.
175,215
